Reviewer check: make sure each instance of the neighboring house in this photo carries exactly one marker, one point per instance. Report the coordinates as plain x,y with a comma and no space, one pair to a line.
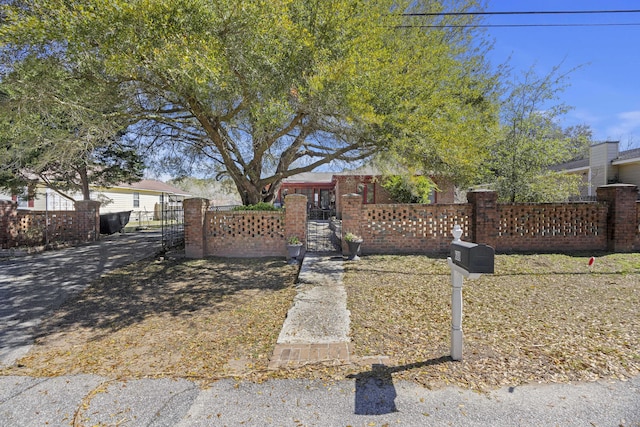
325,189
606,165
143,198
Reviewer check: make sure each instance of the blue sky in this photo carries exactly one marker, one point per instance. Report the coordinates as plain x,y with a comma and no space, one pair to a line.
605,91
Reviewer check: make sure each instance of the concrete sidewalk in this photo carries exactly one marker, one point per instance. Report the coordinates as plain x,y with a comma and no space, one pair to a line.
87,400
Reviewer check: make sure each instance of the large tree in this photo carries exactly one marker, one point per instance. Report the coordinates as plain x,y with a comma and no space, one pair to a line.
60,128
262,90
531,140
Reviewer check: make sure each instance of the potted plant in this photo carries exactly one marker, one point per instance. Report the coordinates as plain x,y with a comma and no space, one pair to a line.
354,241
294,247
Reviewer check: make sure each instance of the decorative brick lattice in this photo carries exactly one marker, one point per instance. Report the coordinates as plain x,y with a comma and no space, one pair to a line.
245,233
413,228
549,220
246,225
568,226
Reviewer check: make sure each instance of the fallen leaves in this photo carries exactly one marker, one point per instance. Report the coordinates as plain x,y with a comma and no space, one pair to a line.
540,318
178,319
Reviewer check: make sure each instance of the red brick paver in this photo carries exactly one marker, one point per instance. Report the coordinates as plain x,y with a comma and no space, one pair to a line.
295,355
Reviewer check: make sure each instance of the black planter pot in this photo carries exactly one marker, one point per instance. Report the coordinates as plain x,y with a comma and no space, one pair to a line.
354,249
294,252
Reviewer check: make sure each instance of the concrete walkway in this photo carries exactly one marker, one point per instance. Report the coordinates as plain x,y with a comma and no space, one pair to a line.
316,329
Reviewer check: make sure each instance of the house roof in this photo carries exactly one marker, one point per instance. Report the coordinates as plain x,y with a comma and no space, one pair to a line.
153,185
310,177
628,155
572,165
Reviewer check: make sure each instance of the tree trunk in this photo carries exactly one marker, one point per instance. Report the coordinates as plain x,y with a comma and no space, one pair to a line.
84,181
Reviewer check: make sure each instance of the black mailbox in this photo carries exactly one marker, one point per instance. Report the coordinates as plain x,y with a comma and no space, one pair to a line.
473,257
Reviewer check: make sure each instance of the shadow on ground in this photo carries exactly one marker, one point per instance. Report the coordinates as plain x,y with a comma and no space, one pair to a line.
375,392
174,287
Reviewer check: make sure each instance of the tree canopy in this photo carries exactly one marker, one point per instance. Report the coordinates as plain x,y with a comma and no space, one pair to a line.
262,90
61,129
531,140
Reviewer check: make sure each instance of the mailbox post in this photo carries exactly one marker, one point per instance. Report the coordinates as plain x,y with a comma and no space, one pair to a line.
468,260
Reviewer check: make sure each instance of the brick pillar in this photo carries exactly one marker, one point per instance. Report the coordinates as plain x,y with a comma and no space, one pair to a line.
8,218
295,217
351,218
484,217
88,220
195,242
621,216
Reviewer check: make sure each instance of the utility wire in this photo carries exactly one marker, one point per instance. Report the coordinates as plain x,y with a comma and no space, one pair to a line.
630,24
541,12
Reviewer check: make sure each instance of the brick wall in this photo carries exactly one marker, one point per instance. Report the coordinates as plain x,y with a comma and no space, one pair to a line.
612,223
243,233
622,215
8,219
412,228
28,228
557,227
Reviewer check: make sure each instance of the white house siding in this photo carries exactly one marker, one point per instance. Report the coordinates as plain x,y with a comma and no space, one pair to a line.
598,163
629,173
123,200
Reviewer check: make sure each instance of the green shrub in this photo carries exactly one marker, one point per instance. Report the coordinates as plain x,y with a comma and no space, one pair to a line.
262,206
409,189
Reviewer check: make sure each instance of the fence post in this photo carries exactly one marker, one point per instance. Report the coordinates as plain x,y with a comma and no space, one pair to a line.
295,217
88,217
484,217
621,216
351,218
195,211
8,218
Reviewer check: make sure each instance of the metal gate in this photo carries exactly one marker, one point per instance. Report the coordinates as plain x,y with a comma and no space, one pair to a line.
172,218
324,235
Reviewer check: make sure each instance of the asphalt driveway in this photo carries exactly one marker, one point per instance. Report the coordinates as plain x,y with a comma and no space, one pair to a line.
33,286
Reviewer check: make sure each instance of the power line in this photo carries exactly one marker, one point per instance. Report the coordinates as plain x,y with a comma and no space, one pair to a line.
518,25
532,12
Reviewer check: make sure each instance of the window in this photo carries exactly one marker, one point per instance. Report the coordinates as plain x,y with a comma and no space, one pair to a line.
368,192
136,200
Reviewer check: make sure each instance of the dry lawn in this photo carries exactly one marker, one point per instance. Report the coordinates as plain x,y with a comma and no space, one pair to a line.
540,318
199,319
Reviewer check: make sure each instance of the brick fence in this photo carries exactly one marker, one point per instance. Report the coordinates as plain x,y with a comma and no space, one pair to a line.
28,228
612,223
243,233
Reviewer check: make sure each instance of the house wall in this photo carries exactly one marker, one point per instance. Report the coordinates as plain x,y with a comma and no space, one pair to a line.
600,157
629,173
637,242
348,184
